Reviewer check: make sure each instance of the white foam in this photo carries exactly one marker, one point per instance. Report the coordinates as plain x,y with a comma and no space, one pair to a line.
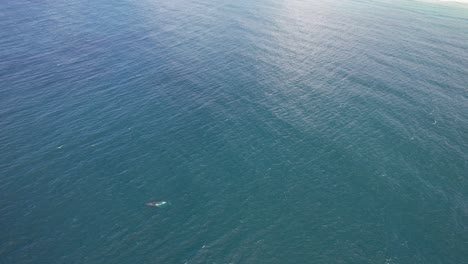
455,1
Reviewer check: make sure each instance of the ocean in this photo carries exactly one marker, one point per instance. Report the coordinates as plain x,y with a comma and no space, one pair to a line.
332,131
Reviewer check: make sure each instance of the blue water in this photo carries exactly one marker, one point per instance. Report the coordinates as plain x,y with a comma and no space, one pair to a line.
331,131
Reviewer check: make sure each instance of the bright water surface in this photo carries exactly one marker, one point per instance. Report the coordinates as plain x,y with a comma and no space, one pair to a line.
281,131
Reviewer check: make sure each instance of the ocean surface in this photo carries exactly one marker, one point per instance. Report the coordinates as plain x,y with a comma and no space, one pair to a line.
331,131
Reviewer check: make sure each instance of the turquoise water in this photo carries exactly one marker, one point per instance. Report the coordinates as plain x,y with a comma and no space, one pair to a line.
279,131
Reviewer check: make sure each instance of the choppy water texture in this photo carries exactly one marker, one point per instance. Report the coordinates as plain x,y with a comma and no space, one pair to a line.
280,131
